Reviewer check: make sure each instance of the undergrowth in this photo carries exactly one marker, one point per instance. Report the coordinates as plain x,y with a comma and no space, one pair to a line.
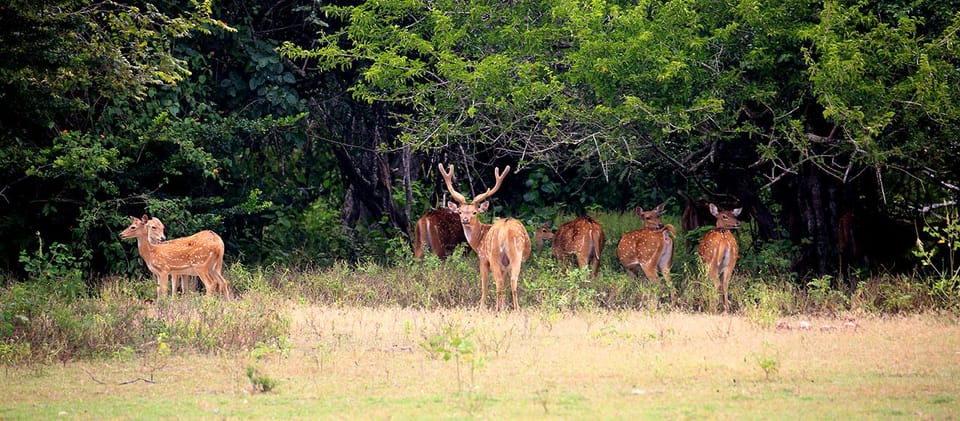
51,317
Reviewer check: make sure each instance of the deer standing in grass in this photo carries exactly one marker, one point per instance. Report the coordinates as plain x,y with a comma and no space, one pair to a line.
582,237
188,283
501,247
440,229
719,250
156,235
648,248
200,255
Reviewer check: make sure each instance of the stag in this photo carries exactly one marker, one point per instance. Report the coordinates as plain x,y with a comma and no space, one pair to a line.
440,229
582,237
501,247
648,248
198,255
719,250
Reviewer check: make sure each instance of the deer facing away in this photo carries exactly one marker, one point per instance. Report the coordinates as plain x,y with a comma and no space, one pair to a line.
582,238
649,248
719,250
501,247
440,229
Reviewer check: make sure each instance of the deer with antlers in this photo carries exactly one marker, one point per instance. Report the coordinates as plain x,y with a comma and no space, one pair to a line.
582,238
649,248
199,255
502,246
719,250
440,229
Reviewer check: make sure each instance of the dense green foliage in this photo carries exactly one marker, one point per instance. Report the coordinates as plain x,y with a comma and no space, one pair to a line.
308,133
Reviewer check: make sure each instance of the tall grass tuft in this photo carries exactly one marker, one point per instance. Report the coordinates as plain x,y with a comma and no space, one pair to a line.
118,321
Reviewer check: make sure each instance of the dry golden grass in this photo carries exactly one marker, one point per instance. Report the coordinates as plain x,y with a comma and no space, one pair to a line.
349,363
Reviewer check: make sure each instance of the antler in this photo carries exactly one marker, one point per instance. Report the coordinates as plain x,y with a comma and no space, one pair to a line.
447,176
490,192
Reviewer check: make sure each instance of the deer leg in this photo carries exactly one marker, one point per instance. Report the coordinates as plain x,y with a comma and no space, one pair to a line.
594,267
484,272
713,273
664,266
163,284
651,272
209,285
727,274
222,287
583,260
498,276
514,280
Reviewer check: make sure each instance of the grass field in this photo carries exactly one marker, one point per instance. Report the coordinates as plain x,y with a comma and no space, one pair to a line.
380,363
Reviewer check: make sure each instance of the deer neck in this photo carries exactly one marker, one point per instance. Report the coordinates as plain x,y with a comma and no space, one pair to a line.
146,250
143,246
475,233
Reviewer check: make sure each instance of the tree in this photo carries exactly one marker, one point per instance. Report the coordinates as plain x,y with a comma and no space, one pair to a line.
784,105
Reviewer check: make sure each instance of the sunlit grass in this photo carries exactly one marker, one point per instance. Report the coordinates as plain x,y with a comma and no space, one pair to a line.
350,362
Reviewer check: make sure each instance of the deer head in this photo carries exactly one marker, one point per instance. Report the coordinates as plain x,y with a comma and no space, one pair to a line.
469,212
542,233
651,219
726,220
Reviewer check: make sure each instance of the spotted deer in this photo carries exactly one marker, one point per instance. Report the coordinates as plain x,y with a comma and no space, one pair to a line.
200,255
719,250
186,283
501,247
648,248
440,229
582,238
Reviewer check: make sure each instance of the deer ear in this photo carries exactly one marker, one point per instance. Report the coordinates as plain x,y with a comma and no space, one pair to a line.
133,219
145,218
639,211
659,209
483,207
736,212
713,209
453,206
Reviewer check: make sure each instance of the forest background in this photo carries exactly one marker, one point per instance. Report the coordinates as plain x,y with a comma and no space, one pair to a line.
308,133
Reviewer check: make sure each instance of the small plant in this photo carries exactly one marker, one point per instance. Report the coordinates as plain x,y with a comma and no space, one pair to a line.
764,303
454,342
768,361
158,359
260,383
57,270
821,292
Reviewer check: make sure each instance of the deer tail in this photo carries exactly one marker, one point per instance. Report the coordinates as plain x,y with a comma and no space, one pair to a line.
593,253
673,231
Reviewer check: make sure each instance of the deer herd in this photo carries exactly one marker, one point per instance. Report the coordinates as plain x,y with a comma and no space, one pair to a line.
501,247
